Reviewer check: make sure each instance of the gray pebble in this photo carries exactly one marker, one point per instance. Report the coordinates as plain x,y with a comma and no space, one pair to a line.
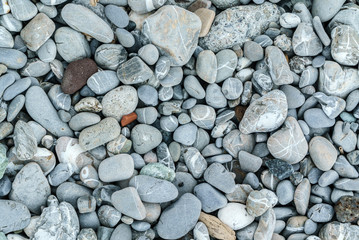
145,138
110,56
146,115
193,87
15,107
316,118
321,212
103,81
117,15
285,192
173,77
226,64
249,162
125,38
149,53
12,58
23,10
148,95
6,81
232,88
83,120
59,99
295,98
215,97
210,198
328,178
47,52
134,71
12,24
253,51
165,94
219,177
169,123
6,39
186,134
206,66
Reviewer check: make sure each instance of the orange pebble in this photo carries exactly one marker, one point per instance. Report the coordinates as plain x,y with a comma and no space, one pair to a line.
129,118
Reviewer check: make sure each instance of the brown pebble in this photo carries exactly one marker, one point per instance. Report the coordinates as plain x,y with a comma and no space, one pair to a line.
129,118
76,75
216,228
239,111
347,209
199,4
207,17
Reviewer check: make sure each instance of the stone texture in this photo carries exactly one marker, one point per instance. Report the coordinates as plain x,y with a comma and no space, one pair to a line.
24,140
134,71
265,114
216,228
128,202
235,216
322,152
345,45
301,196
288,143
305,42
219,177
235,25
145,138
266,226
346,209
278,66
15,216
174,31
117,168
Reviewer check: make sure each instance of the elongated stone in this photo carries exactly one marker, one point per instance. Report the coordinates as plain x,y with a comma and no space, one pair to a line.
25,141
84,20
278,66
301,196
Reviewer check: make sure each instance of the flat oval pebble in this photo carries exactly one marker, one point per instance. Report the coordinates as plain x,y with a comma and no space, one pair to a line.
116,168
117,16
145,138
322,152
103,81
22,10
12,58
17,216
110,56
87,21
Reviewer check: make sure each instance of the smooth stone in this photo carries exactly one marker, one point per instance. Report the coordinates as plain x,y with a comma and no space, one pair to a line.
186,134
83,120
220,178
344,137
71,192
344,168
175,37
147,115
265,114
145,7
235,216
184,183
42,111
22,10
301,196
6,129
84,20
336,230
149,53
203,116
6,39
288,143
103,81
145,138
337,81
59,99
13,25
169,123
5,81
226,64
194,161
166,94
322,152
295,98
331,105
346,209
158,170
37,31
12,58
134,71
76,75
16,216
119,102
148,95
128,202
5,186
173,78
249,162
328,178
257,203
266,225
232,88
47,52
35,68
117,16
251,27
4,8
253,51
178,219
30,187
285,192
125,38
316,118
321,212
153,190
347,184
214,96
236,141
278,66
110,56
16,88
345,46
50,11
162,67
279,168
24,141
117,168
223,4
71,45
305,42
200,231
210,198
309,76
289,20
206,66
100,133
122,231
351,102
326,11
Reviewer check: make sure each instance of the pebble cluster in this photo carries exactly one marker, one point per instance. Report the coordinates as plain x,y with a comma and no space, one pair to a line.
179,119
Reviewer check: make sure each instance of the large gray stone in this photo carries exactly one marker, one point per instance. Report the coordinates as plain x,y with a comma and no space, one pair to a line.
128,202
14,216
145,138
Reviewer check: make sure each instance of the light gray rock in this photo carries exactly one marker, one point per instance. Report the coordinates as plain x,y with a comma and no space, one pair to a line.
344,168
83,120
226,64
206,66
200,231
147,115
24,141
336,229
35,68
119,102
210,198
128,202
344,137
148,95
42,111
22,10
203,116
16,88
47,52
16,216
30,187
100,133
224,35
84,20
162,67
345,46
175,36
215,97
321,212
195,162
316,118
6,39
145,7
149,53
322,152
145,138
232,88
12,58
236,141
235,216
186,134
289,20
319,29
265,114
15,107
305,42
117,168
117,15
220,178
134,71
266,225
110,56
326,11
285,192
153,190
59,99
122,231
249,162
103,81
178,219
301,196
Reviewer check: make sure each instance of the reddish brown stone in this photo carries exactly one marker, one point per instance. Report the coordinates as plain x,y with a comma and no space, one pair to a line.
76,75
347,209
239,111
129,118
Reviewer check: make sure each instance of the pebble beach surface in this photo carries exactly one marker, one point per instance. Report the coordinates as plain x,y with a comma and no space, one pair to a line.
179,119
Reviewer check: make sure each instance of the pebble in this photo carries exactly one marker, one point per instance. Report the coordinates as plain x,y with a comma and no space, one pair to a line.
6,39
260,114
219,177
100,133
322,152
134,71
22,10
206,66
328,178
288,143
128,202
165,30
5,185
158,170
16,88
323,11
30,187
226,64
223,35
235,216
210,198
289,20
93,25
285,192
24,141
344,137
148,95
305,42
37,31
331,105
200,231
203,116
253,51
316,118
278,66
178,219
117,168
110,56
12,58
71,45
149,53
321,212
195,162
266,225
119,102
301,196
145,138
207,16
295,98
257,203
16,216
186,134
344,168
117,16
249,162
346,209
344,47
232,88
83,120
279,168
47,52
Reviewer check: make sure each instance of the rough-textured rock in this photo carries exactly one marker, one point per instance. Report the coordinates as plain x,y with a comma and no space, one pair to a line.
336,230
346,209
278,66
288,143
174,31
134,71
345,45
15,216
265,114
266,226
25,141
235,25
